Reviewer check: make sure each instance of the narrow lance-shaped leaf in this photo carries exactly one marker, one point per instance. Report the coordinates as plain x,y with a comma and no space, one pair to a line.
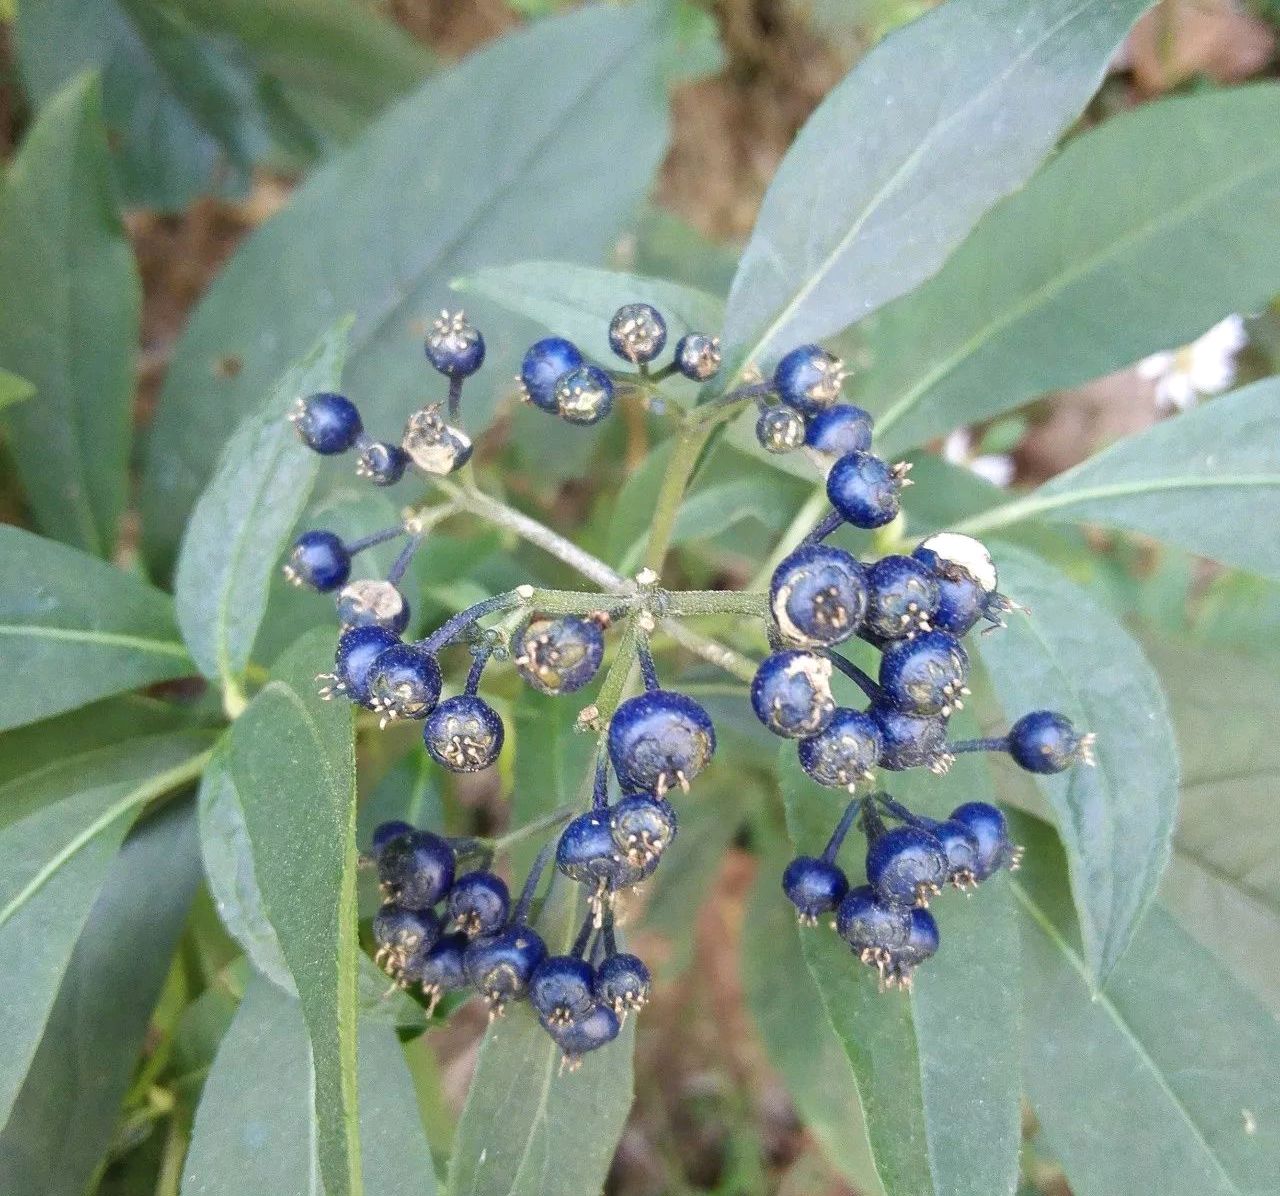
1140,235
75,629
898,164
1116,818
241,524
69,310
382,228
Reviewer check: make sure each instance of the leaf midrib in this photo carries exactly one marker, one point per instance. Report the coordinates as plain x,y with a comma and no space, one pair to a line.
112,639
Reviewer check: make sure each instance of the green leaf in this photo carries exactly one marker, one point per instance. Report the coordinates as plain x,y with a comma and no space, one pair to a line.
1207,481
69,310
528,1131
897,164
241,523
937,1071
577,302
416,201
1173,1042
76,629
65,1117
1115,819
290,757
1138,237
14,389
253,1130
798,1036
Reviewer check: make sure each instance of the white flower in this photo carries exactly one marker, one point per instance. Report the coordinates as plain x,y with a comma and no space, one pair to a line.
1207,366
996,468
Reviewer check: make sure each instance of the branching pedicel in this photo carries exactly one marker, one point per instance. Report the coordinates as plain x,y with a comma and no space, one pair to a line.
914,609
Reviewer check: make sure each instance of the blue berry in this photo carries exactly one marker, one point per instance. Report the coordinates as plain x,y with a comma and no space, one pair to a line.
318,559
637,333
561,989
546,362
967,579
586,853
416,870
399,933
698,356
872,927
598,1028
658,740
809,379
383,464
477,904
367,603
780,430
499,966
440,970
432,445
845,751
906,866
584,395
925,674
642,828
839,430
912,740
463,734
921,944
358,648
961,848
559,656
988,826
902,596
327,423
814,887
404,682
386,833
454,345
1046,742
791,694
865,490
623,983
818,596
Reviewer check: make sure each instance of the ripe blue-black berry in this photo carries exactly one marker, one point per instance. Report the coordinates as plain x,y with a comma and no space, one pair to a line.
698,356
368,603
318,559
586,853
872,927
642,827
865,490
327,423
432,445
477,904
440,970
546,362
416,870
845,752
404,682
558,656
839,430
658,740
902,596
818,596
1046,742
637,333
454,345
912,740
780,430
967,579
814,887
623,983
809,379
925,674
500,965
584,395
400,932
562,989
383,464
385,833
921,944
463,734
961,848
599,1027
791,694
906,866
358,648
988,826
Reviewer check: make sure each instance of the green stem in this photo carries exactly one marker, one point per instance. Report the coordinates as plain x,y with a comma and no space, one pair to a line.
546,822
689,443
718,602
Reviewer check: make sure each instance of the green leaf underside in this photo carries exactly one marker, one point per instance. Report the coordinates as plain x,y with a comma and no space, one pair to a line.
440,209
69,309
290,757
240,525
1186,1060
889,145
1137,237
82,627
937,1071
